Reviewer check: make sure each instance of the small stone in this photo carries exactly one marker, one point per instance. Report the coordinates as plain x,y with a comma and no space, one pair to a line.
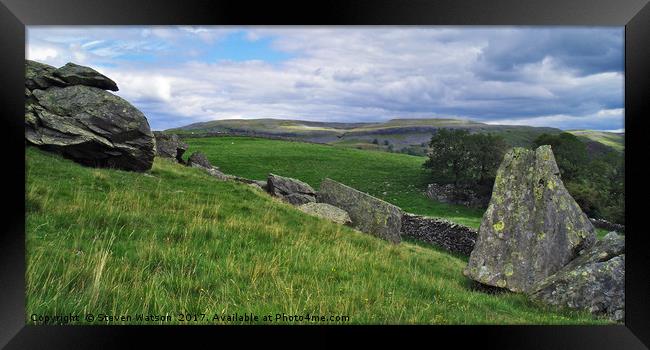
327,211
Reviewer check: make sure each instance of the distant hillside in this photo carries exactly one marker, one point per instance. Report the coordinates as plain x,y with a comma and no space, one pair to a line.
399,135
610,139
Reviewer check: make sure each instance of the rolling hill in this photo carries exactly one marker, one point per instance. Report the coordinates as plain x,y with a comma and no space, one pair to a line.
400,135
612,140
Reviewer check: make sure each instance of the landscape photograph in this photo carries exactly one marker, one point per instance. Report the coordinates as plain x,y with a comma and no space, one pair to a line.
324,175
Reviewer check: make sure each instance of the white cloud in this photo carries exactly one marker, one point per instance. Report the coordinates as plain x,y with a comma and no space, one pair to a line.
349,74
41,53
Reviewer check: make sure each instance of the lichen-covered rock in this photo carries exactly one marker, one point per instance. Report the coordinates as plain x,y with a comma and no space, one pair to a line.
87,124
327,211
594,281
199,160
532,226
290,190
40,76
369,214
74,74
170,146
450,236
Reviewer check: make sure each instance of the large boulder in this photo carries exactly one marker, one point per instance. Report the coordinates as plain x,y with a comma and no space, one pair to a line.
85,123
170,146
369,214
594,281
40,76
327,211
532,226
290,190
74,74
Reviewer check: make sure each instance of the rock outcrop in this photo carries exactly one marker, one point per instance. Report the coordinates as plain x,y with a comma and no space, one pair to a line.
170,146
369,214
290,190
532,227
594,281
447,235
68,112
199,160
327,211
74,74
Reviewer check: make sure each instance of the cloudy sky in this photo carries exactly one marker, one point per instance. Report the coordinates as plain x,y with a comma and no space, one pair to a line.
565,77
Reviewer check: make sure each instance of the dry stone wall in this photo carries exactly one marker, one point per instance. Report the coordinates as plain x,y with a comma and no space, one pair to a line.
444,234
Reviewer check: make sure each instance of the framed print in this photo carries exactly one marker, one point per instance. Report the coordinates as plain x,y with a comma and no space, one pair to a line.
442,169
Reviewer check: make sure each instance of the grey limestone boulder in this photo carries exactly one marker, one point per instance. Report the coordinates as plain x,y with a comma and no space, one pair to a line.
327,211
368,214
74,74
290,190
532,226
199,160
84,122
594,281
170,146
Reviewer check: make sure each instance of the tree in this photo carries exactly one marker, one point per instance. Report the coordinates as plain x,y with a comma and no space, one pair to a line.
596,181
458,156
488,151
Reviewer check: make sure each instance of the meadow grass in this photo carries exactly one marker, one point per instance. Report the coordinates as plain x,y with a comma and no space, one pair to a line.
174,240
396,178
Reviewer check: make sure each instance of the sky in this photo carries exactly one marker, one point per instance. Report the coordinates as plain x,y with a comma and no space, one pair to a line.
563,77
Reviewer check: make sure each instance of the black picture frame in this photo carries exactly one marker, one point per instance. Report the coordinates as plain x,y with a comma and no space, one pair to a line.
633,14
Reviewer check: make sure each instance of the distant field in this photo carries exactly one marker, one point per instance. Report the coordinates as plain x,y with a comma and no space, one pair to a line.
174,240
395,178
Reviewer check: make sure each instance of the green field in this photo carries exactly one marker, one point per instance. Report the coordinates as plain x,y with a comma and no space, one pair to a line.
174,240
395,178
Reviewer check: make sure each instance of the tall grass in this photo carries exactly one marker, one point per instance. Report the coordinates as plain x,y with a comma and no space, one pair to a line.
173,240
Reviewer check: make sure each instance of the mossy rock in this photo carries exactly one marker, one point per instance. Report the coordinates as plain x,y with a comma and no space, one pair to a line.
530,215
594,281
83,122
369,214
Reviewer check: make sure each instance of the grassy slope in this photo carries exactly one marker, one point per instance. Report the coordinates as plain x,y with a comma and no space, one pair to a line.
396,178
613,140
117,242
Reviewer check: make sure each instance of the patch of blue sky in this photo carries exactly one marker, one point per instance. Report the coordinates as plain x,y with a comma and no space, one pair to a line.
238,47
